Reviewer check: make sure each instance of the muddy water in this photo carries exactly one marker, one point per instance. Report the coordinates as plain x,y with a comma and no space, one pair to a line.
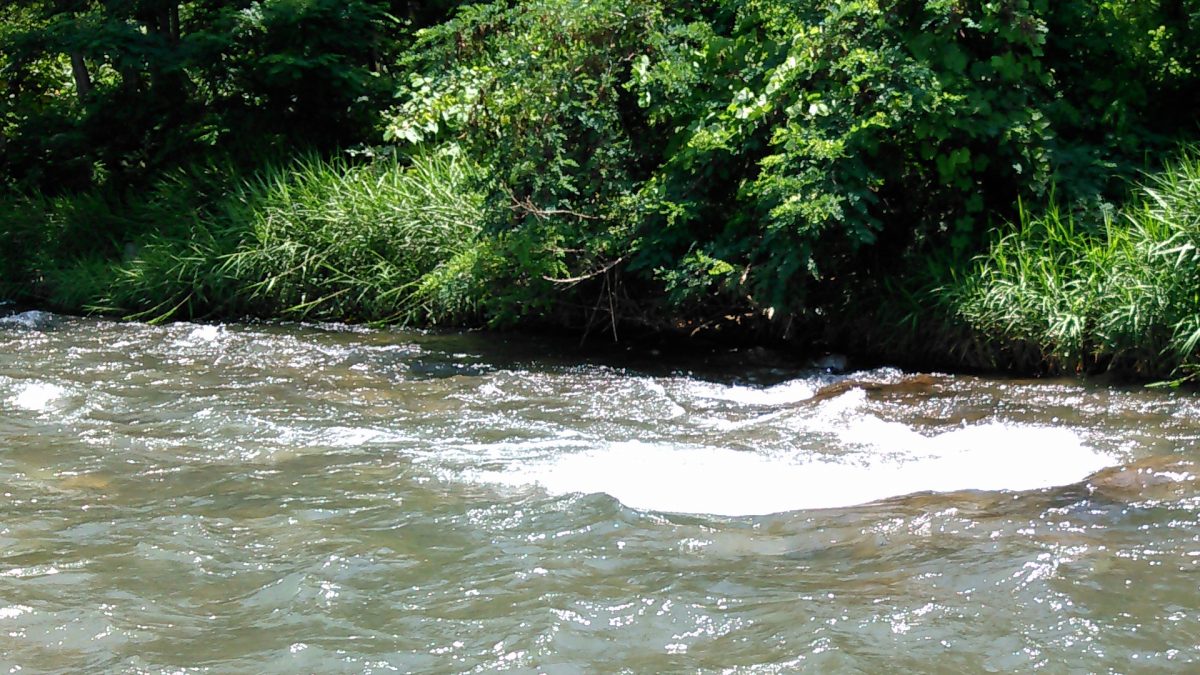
322,499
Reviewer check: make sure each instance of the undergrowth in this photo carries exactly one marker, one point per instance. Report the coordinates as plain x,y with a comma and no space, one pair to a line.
1101,292
384,240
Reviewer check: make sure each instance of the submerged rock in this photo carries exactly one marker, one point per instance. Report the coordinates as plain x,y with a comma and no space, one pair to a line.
912,384
832,363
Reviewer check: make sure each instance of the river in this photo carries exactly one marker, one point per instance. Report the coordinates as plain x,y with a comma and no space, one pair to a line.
286,499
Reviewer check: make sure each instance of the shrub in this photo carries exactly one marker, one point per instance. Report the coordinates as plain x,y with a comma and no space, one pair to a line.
751,154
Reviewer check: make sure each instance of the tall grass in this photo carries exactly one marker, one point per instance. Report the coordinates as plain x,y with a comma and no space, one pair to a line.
1106,292
328,239
43,236
313,239
334,240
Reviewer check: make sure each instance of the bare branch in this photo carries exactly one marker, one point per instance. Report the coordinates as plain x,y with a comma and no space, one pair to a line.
589,275
526,206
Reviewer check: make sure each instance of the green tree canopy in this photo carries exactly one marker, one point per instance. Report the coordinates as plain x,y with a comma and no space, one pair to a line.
123,88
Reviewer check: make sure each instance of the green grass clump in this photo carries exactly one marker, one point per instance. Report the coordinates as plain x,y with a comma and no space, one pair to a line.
321,239
1106,292
46,237
332,240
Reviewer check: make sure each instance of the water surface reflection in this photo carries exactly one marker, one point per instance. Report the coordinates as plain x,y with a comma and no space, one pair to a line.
324,499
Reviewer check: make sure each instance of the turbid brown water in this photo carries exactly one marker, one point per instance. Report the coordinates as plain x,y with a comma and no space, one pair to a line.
267,499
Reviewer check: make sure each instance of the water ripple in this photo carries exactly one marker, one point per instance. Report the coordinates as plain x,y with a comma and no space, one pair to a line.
278,499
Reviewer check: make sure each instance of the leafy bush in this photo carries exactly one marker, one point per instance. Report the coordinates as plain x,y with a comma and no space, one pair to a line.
751,154
536,94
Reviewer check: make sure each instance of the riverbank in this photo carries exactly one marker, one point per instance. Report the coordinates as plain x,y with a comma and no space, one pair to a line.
933,184
1088,292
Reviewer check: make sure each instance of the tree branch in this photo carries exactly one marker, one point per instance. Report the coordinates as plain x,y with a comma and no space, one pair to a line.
526,206
589,275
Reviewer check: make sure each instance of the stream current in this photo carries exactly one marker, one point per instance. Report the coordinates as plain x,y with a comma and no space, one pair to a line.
286,499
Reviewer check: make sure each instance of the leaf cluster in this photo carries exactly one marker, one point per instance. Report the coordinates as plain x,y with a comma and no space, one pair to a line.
762,153
121,90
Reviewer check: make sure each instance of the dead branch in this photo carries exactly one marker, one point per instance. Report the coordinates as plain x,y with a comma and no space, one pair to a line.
589,275
526,206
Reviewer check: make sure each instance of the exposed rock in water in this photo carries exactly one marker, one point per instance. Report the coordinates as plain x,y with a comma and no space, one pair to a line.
1162,478
30,320
832,363
915,384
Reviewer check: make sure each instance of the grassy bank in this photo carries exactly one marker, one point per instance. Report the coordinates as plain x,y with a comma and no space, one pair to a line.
1088,291
312,239
1099,291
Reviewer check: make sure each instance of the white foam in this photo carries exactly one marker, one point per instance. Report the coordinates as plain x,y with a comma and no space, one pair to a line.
793,391
34,319
350,437
206,333
37,396
726,482
13,611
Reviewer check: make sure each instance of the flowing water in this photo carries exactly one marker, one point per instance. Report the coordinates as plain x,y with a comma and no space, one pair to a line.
289,499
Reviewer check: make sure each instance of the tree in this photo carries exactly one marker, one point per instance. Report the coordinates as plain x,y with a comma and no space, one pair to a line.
157,83
751,155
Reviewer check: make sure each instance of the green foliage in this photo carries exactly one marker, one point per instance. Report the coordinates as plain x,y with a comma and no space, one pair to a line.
1042,282
797,141
330,240
698,275
312,239
535,92
295,69
40,233
837,126
1121,293
102,92
587,161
